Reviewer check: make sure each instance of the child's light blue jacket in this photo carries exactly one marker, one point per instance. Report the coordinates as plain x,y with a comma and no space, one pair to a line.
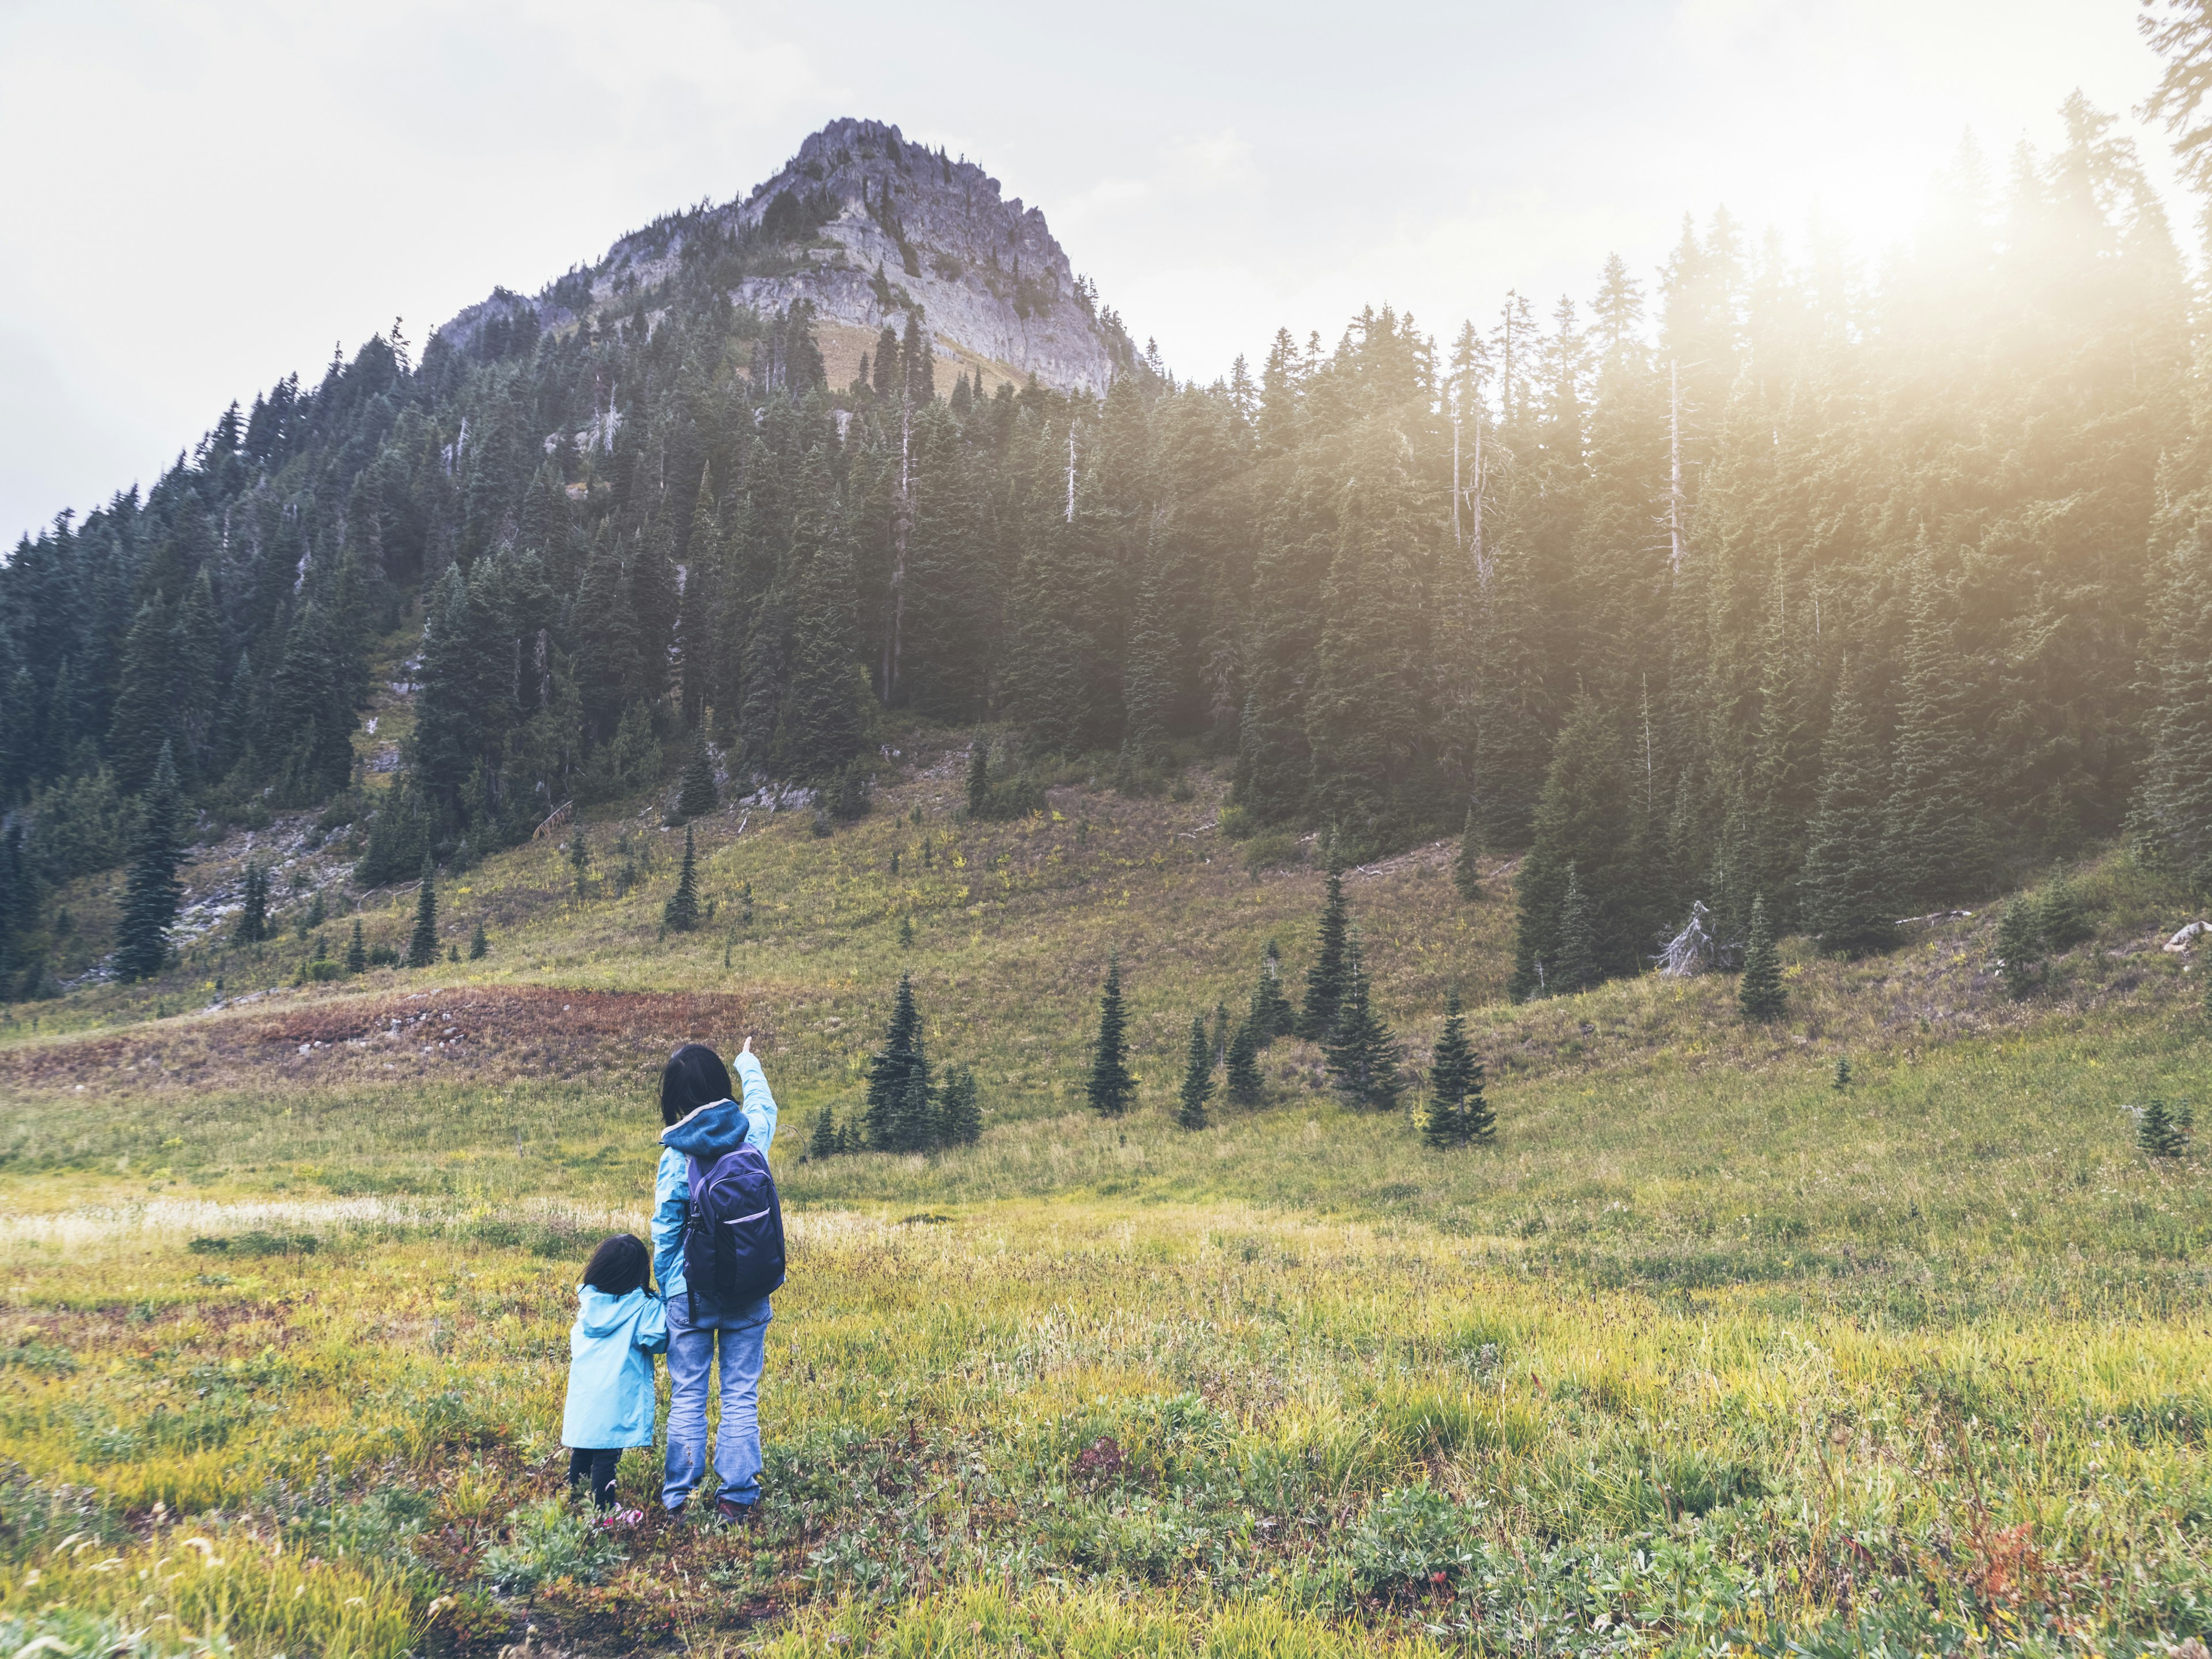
610,1349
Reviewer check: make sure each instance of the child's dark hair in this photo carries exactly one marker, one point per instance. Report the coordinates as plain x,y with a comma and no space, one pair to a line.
694,1077
619,1265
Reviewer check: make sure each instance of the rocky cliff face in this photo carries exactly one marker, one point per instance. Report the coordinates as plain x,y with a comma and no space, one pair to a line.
870,228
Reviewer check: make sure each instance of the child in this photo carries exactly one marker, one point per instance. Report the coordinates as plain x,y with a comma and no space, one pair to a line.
620,1325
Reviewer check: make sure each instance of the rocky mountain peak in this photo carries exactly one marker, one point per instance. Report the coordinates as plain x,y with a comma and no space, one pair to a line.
871,229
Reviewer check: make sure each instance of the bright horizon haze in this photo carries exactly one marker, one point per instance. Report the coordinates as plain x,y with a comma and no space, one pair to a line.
206,197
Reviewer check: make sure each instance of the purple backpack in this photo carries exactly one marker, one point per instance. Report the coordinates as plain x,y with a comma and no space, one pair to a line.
733,1237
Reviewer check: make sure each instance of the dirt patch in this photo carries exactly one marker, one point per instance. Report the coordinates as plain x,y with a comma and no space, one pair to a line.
484,1034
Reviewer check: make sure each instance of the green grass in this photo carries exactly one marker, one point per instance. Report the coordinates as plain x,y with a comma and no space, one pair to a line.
1704,1352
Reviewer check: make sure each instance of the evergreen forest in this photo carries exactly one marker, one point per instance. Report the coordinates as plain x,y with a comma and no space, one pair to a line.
1765,577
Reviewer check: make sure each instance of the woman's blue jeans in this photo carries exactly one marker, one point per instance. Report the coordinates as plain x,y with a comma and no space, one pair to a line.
691,1350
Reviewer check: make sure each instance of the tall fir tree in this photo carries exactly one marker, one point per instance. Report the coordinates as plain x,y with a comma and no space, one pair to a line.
1363,1058
1271,1015
152,891
959,1118
1197,1078
1112,1089
1467,863
696,796
1577,964
1457,1112
422,942
253,924
1937,842
2174,805
892,1067
1585,833
1849,897
681,913
1326,978
1759,993
356,956
1246,1085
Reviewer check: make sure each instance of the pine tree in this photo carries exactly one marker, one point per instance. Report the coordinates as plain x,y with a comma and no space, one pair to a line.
1937,842
891,1066
910,1122
1585,830
479,945
824,717
1848,892
580,855
1576,969
1246,1087
423,944
151,892
2019,947
905,932
1362,1060
1456,1110
2061,917
253,906
1272,1014
1759,993
2162,1130
1112,1089
1197,1078
959,1117
145,718
1325,980
2177,791
356,956
1467,865
697,795
824,1141
682,911
979,775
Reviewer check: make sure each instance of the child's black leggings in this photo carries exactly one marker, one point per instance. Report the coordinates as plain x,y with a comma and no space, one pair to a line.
598,1469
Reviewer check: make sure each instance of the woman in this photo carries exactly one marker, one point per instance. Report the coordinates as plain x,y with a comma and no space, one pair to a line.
704,1122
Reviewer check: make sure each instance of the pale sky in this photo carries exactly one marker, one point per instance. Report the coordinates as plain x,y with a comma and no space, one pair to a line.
199,195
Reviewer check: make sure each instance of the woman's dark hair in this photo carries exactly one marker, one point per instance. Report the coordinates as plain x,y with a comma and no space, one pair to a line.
694,1077
619,1265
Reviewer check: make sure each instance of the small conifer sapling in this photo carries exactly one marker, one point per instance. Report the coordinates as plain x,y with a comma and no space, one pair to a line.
356,956
2162,1130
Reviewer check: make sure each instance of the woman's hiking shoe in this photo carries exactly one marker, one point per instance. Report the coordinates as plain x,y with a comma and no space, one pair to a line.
734,1513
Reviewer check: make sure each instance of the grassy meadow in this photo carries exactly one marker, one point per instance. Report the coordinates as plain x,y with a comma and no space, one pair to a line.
1711,1351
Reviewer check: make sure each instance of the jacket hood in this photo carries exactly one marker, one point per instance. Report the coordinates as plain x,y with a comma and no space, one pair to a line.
601,1315
713,1131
